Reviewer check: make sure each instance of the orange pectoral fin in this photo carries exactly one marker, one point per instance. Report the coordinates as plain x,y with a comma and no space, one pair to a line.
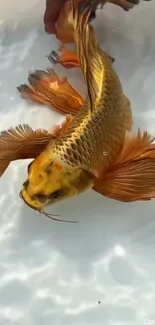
48,88
132,177
21,142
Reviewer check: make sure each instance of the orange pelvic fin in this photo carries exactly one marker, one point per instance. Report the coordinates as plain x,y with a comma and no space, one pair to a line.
132,176
46,87
66,58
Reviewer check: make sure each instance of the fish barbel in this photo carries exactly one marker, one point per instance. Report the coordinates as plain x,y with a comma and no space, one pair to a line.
93,148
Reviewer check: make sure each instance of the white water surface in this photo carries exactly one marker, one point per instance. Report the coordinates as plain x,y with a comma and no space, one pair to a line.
100,271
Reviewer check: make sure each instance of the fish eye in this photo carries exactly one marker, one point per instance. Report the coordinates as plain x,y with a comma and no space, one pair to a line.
41,197
55,195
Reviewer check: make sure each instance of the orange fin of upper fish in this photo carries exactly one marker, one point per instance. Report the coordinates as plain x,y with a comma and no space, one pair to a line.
125,4
132,176
22,142
51,14
48,88
64,29
56,19
57,12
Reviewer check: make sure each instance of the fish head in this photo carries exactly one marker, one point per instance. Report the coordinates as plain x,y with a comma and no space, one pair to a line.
51,182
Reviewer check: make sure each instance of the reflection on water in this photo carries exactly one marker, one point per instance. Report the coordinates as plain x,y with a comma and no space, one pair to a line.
101,270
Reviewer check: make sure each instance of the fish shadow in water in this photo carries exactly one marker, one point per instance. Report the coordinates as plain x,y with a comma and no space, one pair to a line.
87,249
102,224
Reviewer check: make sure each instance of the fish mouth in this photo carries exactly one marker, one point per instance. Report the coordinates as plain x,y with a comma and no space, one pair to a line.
30,206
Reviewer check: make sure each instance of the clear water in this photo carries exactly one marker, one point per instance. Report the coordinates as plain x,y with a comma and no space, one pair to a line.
101,270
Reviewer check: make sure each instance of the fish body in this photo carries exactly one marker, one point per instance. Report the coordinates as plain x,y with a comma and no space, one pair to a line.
93,138
93,147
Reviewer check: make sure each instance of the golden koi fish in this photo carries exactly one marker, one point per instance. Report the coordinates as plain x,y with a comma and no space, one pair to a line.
93,147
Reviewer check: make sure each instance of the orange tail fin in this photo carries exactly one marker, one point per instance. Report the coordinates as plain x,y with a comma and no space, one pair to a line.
132,176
